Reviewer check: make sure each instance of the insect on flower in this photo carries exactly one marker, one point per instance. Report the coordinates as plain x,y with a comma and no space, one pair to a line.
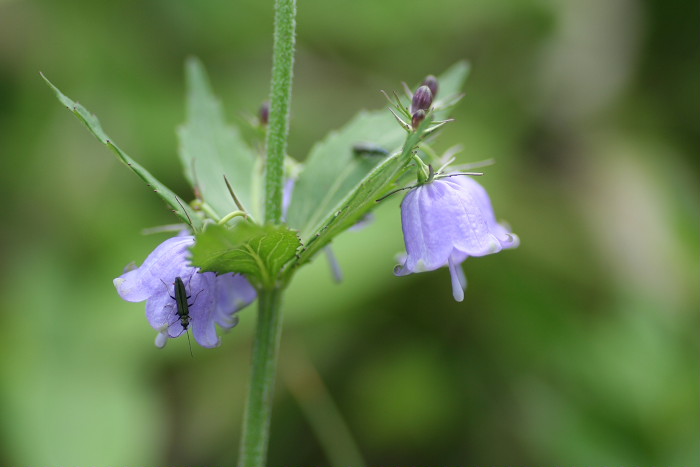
172,311
182,305
181,300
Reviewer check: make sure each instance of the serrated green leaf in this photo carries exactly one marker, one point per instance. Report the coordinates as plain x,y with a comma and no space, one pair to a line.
181,209
333,170
210,149
257,251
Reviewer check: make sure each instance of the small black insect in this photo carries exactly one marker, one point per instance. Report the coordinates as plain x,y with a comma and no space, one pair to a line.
181,300
183,306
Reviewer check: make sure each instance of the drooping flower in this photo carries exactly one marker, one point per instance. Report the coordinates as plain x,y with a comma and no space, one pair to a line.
444,222
211,299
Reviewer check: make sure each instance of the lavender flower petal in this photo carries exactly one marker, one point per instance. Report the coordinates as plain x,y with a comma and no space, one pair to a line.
233,293
459,281
202,292
165,263
503,234
444,222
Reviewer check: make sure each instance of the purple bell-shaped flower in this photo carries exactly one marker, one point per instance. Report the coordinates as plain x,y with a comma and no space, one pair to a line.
444,222
211,299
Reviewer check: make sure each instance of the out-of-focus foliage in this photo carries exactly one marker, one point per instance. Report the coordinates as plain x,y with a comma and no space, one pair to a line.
578,348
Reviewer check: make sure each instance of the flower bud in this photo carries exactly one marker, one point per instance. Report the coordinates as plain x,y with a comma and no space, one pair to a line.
421,99
264,114
432,83
417,119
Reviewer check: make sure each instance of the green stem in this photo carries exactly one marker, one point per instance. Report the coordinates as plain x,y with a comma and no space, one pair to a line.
258,408
280,99
232,215
256,420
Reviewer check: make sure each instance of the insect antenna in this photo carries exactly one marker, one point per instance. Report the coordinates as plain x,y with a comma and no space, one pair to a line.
189,343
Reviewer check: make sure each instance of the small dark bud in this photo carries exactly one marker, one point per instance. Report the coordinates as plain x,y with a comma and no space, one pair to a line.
421,99
264,113
417,119
432,84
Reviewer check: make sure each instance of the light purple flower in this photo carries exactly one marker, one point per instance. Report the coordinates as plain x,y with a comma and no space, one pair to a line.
446,221
212,299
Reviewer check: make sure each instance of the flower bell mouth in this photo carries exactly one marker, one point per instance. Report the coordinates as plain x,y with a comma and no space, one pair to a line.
445,221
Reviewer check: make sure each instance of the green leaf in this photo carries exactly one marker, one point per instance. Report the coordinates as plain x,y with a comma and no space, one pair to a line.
333,170
451,82
363,198
257,251
181,209
210,149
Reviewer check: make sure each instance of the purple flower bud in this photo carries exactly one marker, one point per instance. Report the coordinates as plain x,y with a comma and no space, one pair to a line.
421,99
264,114
432,83
211,299
446,221
417,119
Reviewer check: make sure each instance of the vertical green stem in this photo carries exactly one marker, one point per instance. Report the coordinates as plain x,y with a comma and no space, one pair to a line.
280,99
256,420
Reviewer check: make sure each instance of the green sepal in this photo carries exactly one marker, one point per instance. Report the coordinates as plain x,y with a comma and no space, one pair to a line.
181,209
259,252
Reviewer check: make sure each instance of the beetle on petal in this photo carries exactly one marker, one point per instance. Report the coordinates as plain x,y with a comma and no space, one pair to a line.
210,299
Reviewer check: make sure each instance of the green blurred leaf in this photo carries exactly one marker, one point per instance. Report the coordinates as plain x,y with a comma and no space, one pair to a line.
451,82
210,149
257,251
183,210
333,170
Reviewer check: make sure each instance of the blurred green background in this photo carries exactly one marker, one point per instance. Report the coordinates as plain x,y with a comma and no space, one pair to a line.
578,348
